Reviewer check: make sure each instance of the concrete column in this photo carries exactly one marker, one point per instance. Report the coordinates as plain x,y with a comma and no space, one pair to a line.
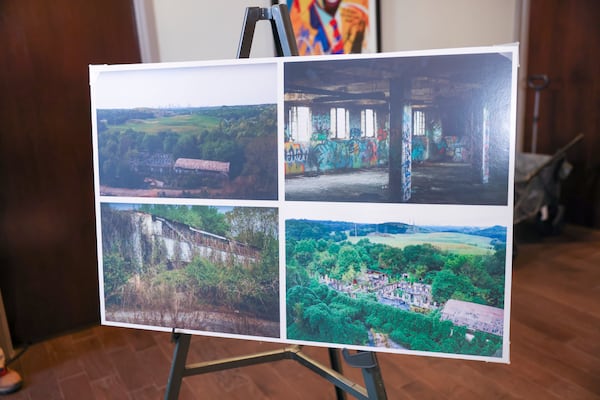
400,141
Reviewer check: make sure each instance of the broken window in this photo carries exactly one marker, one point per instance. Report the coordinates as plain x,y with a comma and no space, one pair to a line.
300,128
368,122
340,120
418,123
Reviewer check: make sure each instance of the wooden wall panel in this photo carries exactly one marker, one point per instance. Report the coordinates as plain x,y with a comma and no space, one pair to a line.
47,229
564,43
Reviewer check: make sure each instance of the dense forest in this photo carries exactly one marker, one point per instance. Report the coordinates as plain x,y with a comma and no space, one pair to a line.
317,312
160,290
243,136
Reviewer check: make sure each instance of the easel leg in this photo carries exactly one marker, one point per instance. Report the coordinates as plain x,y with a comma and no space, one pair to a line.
182,346
374,381
367,362
336,365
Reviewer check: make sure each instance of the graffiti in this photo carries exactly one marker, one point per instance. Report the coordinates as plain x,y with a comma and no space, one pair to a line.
321,123
456,149
370,153
319,136
419,149
383,155
406,152
295,155
325,155
354,150
330,155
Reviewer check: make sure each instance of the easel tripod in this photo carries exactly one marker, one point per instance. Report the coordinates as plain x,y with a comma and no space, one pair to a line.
374,389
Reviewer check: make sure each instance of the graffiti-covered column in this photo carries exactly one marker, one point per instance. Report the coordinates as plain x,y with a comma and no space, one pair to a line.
400,141
484,169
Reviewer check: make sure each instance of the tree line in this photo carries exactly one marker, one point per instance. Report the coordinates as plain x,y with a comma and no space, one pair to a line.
318,313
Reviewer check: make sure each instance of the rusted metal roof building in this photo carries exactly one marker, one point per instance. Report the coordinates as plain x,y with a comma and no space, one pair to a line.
474,316
196,166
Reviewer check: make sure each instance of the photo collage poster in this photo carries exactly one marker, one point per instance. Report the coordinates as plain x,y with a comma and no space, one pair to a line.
355,201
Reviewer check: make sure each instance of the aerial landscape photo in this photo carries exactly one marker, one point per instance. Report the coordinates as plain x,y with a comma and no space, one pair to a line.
186,131
397,286
200,152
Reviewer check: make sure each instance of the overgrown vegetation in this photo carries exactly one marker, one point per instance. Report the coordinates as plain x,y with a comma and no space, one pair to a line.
317,312
170,289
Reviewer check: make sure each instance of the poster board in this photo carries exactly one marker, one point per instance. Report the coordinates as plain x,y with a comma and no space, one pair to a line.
354,201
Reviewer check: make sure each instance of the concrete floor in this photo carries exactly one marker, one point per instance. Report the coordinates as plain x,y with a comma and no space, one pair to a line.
432,183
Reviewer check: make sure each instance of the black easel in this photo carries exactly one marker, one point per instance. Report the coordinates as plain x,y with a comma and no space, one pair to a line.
283,33
374,389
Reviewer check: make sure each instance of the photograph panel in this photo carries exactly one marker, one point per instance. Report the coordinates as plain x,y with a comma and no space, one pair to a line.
396,285
422,129
199,132
202,268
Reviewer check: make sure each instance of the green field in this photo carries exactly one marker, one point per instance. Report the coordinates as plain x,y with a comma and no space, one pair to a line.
449,241
183,123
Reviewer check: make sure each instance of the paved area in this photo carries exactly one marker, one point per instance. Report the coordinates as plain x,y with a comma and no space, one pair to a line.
432,183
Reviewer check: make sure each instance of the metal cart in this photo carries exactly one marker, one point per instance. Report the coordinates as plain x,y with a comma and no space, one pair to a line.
537,187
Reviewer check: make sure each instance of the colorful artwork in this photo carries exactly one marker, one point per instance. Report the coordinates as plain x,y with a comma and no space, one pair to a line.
406,153
334,27
324,154
296,156
419,150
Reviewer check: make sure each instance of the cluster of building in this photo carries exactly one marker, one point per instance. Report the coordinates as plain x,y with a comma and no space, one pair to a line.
403,294
417,296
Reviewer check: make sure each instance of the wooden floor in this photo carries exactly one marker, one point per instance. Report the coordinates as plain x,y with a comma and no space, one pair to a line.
555,349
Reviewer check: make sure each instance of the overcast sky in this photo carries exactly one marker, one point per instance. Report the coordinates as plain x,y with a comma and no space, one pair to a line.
183,85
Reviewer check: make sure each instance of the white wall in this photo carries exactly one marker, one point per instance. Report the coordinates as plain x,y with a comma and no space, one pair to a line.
432,24
187,30
179,30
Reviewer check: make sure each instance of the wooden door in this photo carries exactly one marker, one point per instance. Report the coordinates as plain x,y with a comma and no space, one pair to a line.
47,229
564,43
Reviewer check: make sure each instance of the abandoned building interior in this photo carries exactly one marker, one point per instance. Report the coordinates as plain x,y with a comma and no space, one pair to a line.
415,129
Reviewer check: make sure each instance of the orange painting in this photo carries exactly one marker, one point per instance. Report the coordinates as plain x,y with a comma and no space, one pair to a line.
334,26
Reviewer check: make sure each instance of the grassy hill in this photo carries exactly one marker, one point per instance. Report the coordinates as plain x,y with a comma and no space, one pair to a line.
454,242
181,123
